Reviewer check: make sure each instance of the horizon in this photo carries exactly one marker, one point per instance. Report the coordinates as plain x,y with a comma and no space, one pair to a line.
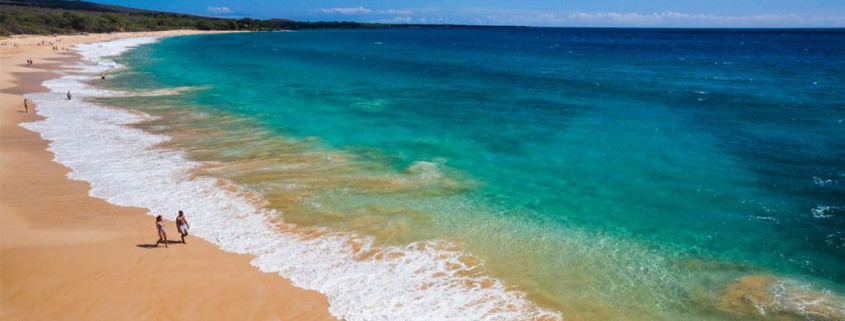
713,14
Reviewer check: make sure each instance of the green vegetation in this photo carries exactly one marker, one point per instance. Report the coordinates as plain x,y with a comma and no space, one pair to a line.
68,17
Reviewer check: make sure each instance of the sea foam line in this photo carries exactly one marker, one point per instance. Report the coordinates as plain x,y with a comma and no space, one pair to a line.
421,281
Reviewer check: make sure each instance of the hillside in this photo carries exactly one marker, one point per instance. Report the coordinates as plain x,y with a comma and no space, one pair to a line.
66,17
72,5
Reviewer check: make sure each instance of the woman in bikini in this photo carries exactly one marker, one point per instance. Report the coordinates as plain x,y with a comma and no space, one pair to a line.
162,235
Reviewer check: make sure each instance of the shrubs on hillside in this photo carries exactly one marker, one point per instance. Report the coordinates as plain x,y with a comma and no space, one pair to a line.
38,20
29,20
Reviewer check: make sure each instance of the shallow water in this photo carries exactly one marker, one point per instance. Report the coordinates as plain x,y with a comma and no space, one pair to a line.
608,174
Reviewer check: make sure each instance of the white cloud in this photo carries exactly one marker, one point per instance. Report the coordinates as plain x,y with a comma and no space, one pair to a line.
353,10
400,12
679,19
656,19
219,10
365,11
397,19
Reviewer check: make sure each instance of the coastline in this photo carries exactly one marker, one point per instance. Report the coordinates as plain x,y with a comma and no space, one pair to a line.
108,149
67,255
103,146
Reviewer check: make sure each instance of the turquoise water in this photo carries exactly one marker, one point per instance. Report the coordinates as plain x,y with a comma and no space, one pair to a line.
608,173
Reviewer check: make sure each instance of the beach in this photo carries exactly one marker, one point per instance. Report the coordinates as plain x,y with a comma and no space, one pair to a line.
428,174
67,256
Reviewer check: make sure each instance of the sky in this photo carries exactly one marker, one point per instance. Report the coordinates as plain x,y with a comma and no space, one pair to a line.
563,13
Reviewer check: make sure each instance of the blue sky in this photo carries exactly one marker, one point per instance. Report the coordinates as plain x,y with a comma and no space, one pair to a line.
600,13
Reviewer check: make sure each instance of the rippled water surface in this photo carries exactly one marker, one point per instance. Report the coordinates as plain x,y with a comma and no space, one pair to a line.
610,174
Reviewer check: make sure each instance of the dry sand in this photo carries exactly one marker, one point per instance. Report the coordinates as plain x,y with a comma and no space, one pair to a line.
67,256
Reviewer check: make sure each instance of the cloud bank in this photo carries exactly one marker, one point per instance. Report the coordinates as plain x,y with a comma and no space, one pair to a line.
483,16
219,10
658,19
354,10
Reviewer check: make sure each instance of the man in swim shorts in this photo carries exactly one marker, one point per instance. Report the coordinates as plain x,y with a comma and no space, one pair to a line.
182,226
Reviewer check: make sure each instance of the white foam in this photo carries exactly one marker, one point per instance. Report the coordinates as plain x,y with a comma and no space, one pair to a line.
421,281
825,181
822,211
95,54
424,170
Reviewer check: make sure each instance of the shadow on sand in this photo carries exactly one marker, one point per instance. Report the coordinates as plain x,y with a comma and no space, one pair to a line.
153,245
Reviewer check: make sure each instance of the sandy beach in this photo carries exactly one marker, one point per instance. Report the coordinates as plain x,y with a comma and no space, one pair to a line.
67,256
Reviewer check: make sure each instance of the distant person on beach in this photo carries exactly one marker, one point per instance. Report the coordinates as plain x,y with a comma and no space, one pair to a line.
26,105
103,76
162,235
68,95
182,226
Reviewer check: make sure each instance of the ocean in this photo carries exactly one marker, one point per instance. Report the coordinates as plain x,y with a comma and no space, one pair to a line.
487,173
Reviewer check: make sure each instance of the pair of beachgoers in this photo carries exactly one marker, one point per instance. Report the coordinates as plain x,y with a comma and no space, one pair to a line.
181,226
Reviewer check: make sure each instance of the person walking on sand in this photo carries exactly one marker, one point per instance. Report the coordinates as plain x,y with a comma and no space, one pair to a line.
162,235
182,226
26,105
68,95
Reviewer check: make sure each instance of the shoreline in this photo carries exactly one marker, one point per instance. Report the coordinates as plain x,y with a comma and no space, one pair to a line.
103,148
99,148
67,255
